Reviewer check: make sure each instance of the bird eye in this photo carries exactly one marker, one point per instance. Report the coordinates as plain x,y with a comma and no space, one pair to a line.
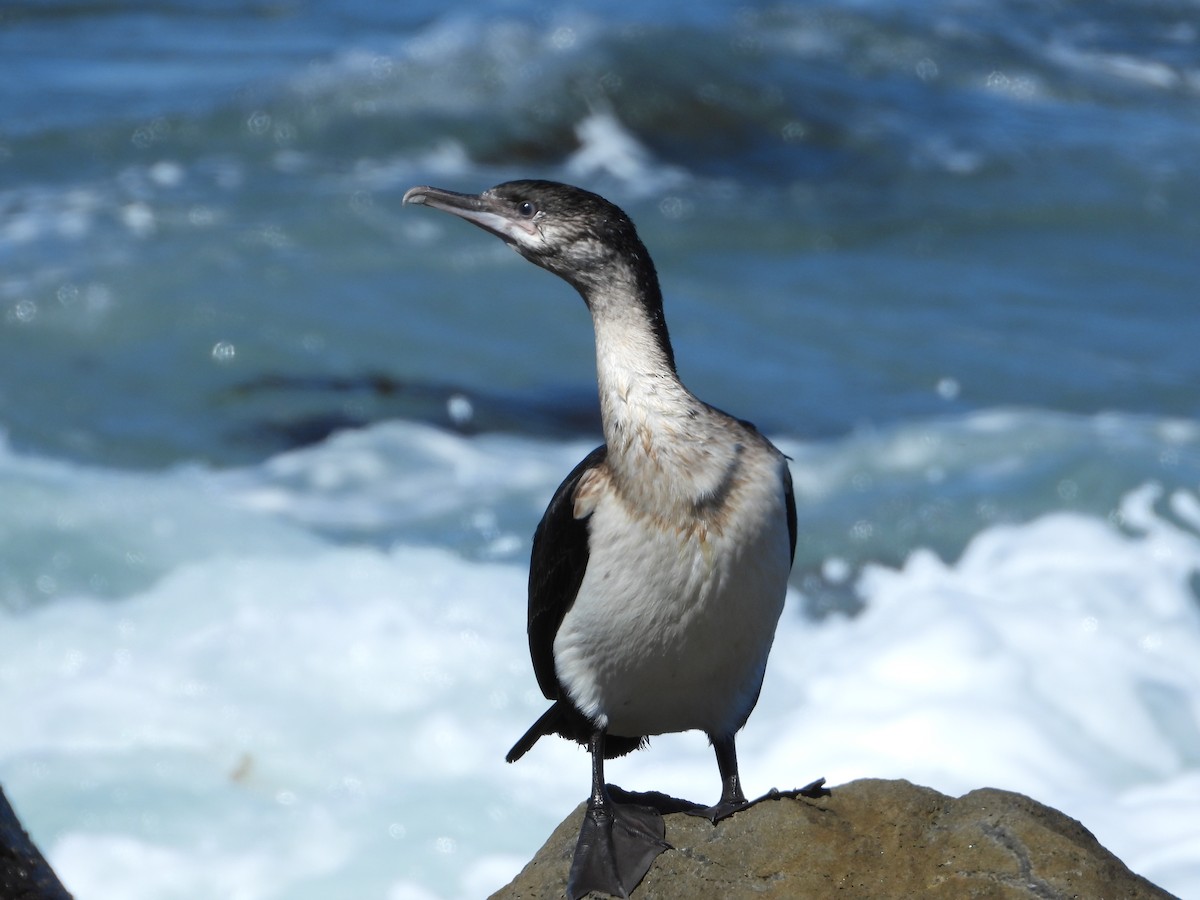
526,209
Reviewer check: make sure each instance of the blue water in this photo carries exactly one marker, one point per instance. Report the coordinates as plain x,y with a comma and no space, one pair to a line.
273,445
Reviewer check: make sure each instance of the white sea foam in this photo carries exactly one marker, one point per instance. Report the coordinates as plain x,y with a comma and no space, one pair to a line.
289,717
279,714
608,148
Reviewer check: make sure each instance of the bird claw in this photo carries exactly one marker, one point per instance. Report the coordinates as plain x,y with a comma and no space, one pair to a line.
812,790
726,808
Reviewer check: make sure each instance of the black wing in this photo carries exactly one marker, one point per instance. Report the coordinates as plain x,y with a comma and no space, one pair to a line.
559,559
789,498
556,567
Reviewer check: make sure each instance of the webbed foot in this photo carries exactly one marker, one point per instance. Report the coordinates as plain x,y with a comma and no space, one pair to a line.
617,845
727,806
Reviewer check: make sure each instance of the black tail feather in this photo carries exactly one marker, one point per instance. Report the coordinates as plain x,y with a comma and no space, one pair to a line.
548,723
564,719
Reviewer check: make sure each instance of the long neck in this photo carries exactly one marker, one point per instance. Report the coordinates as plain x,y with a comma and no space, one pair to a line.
666,449
640,392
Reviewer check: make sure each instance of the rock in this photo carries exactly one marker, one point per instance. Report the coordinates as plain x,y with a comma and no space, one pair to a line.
868,839
24,872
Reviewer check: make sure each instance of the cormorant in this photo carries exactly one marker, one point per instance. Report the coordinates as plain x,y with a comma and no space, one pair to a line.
659,569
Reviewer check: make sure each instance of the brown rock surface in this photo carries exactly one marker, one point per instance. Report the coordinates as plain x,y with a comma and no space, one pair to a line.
868,839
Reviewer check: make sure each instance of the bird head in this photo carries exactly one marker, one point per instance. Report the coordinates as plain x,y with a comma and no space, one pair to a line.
573,233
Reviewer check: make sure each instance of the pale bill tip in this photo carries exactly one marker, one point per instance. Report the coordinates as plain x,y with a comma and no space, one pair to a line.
415,195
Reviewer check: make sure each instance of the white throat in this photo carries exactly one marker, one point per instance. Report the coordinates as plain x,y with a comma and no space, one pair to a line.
666,448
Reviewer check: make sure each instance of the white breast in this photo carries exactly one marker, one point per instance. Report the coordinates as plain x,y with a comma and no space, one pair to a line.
672,626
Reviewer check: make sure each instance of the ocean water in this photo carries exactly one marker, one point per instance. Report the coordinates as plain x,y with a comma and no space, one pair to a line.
272,447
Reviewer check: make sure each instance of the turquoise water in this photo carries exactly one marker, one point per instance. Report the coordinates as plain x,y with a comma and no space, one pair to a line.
205,257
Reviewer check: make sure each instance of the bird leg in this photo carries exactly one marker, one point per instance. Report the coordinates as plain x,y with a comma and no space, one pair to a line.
617,841
732,799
